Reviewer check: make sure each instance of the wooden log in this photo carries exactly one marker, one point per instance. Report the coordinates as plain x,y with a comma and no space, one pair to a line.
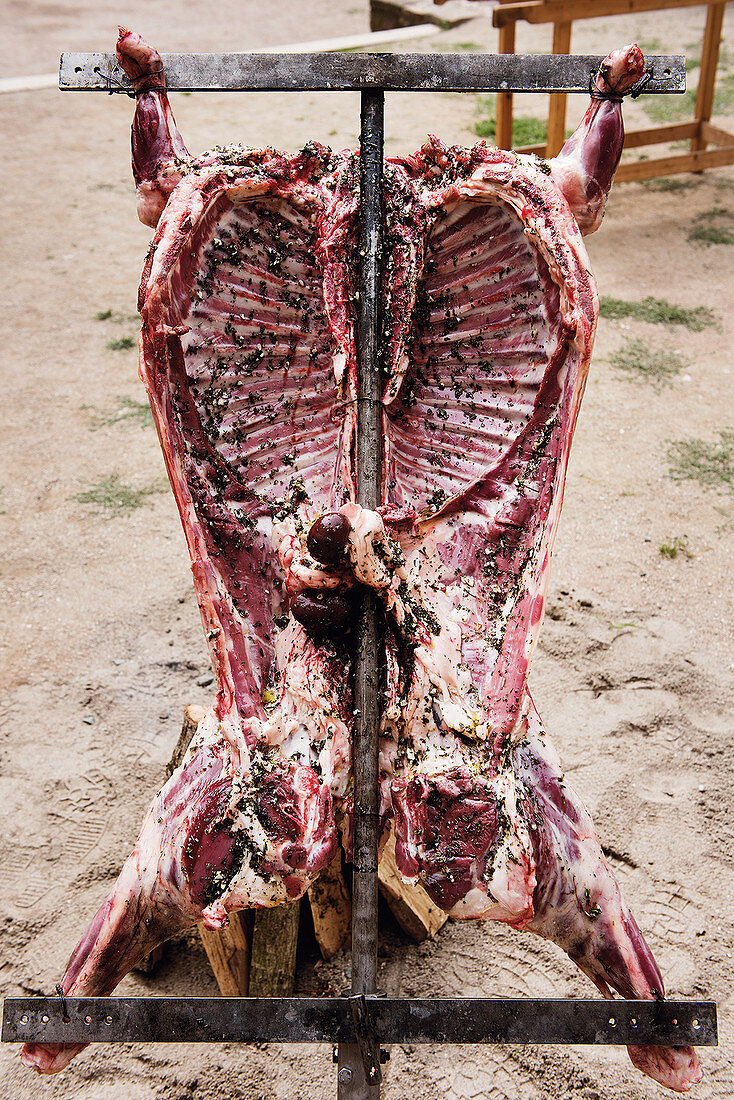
273,954
411,906
707,73
331,909
228,952
555,136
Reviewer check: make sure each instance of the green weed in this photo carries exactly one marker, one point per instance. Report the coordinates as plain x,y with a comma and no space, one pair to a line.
658,312
676,546
646,364
710,464
118,318
121,344
708,228
114,497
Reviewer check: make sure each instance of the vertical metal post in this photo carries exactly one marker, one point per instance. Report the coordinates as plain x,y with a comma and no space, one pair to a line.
352,1082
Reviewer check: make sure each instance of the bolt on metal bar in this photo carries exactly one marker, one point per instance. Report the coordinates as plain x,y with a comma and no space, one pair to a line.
356,1079
231,72
332,1019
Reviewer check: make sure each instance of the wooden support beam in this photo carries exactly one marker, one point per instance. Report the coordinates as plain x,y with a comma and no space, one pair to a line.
714,135
274,946
331,909
503,125
707,73
553,11
670,166
656,135
411,906
557,107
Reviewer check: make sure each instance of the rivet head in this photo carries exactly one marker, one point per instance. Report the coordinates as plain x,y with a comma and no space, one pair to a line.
344,1076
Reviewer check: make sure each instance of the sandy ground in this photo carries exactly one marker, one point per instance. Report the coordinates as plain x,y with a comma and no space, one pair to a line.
101,642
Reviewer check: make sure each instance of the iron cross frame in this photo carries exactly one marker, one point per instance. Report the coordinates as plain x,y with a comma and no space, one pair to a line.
357,1023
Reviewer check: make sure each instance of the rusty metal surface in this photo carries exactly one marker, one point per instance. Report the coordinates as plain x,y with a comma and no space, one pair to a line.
330,1019
446,72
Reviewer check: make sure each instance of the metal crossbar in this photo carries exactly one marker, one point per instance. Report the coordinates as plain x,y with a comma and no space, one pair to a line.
412,72
360,1022
330,1019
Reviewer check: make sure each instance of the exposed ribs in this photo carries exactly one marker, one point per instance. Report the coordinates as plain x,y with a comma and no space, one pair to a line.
248,357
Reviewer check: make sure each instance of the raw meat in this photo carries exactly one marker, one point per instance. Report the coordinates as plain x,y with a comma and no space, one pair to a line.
247,353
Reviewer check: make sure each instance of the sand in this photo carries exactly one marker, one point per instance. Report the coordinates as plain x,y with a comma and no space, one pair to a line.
101,641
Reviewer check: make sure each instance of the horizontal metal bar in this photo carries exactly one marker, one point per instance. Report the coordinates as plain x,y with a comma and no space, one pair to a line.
329,1019
234,72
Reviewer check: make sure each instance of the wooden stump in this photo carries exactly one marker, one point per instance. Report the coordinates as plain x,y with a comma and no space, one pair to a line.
274,946
229,952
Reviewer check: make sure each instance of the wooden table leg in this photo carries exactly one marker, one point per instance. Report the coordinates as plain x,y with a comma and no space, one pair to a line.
707,76
557,107
503,130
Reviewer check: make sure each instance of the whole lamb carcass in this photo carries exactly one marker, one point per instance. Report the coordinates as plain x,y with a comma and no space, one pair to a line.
247,352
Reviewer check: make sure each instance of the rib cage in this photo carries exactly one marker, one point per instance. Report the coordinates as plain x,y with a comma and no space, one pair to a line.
260,352
486,326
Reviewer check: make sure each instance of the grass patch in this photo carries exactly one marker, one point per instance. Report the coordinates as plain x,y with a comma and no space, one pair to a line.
710,234
658,312
525,131
128,411
674,548
713,227
114,497
646,364
710,464
470,47
121,344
